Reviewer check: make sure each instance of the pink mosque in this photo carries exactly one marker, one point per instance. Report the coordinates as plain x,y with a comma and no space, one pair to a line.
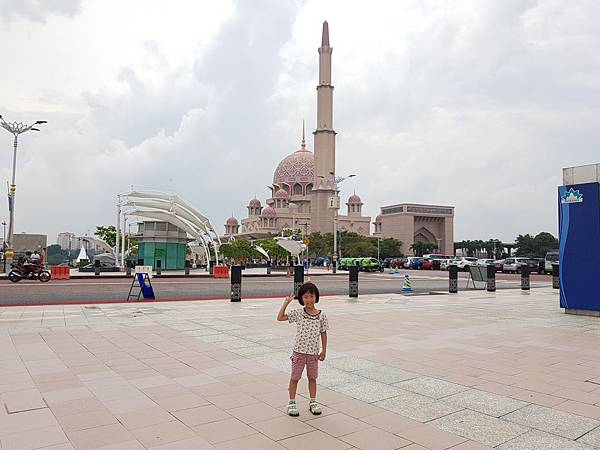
304,184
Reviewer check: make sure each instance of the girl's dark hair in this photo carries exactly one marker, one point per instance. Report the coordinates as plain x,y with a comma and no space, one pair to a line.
307,287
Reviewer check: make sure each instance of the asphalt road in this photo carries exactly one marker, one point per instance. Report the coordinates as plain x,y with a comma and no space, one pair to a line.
115,290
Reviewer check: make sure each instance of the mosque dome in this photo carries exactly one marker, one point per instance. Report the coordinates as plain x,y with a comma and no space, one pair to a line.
378,219
281,194
299,167
254,203
354,200
269,213
232,222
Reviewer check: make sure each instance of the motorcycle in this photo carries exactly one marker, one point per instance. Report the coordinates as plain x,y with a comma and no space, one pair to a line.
19,272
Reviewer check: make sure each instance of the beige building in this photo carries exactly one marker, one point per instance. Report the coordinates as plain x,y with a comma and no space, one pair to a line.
410,222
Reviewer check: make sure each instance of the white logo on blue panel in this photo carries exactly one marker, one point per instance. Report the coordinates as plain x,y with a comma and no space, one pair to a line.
571,196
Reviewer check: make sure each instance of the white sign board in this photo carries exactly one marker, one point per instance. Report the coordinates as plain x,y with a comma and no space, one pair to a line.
334,202
144,269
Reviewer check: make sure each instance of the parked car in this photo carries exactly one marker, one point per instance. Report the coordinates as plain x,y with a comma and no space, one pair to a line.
413,262
426,264
370,265
345,263
514,265
499,263
387,262
397,263
551,258
485,262
445,263
536,265
464,262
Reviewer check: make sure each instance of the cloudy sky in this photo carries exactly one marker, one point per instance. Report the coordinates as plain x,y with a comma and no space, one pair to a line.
474,103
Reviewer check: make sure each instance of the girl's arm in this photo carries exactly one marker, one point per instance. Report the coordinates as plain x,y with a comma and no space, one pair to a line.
323,346
282,316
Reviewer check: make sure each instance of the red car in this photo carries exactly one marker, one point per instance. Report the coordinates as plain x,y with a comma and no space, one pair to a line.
426,264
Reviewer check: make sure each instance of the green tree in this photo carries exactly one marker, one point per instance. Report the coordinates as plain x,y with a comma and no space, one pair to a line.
239,249
525,245
390,247
55,255
420,247
536,247
271,246
107,234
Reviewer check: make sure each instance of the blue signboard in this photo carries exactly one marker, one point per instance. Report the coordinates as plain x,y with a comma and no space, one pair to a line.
579,234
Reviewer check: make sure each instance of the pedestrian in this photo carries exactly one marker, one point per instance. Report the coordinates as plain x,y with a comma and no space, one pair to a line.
310,345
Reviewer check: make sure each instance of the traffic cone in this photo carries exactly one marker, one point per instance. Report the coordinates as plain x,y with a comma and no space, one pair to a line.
407,286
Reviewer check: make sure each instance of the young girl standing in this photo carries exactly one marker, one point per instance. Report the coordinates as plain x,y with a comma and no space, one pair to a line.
310,345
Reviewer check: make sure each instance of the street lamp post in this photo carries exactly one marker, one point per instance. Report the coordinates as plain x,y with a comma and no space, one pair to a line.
4,243
335,181
16,129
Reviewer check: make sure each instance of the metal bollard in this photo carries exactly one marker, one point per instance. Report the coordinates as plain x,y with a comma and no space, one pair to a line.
491,278
236,283
128,268
525,278
211,267
298,279
453,279
97,267
353,285
158,267
269,267
555,276
140,262
188,264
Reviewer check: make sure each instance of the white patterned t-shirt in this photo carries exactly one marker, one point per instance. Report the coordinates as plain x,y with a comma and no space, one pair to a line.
308,335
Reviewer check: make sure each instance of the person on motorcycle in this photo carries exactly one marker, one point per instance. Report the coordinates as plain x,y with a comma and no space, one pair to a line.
26,263
35,258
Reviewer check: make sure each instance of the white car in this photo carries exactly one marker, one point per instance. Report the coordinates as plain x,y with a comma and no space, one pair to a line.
465,262
485,262
445,263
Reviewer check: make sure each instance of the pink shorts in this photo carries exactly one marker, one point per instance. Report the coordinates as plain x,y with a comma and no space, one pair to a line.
299,360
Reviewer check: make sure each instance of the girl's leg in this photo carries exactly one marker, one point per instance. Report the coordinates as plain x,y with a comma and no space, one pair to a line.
293,388
312,388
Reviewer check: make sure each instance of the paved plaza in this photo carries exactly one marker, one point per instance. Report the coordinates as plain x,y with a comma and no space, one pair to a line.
468,371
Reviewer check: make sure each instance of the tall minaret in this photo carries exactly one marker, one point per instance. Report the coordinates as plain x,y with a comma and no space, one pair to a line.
324,144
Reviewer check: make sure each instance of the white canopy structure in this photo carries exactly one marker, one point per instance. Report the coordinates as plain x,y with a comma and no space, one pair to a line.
176,211
82,255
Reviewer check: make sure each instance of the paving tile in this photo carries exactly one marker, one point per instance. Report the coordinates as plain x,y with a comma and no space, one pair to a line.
223,430
385,374
282,427
181,402
337,424
200,415
591,438
417,407
196,443
538,398
479,427
538,440
100,436
316,440
368,391
552,421
375,439
351,363
32,439
70,407
254,413
356,408
127,445
431,438
129,404
24,400
484,402
470,445
389,421
144,418
162,433
228,401
431,387
27,420
87,419
253,442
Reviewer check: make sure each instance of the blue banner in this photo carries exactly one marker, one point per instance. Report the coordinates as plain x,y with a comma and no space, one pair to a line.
579,235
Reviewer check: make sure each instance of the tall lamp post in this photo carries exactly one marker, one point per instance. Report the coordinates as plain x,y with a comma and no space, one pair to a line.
334,203
4,243
16,129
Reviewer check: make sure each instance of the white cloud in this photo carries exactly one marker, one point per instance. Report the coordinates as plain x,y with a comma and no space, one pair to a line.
477,104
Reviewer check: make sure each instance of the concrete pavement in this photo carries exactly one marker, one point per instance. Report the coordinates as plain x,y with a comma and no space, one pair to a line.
467,371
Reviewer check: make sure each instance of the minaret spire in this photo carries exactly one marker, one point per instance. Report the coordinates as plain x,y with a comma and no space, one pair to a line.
325,35
303,137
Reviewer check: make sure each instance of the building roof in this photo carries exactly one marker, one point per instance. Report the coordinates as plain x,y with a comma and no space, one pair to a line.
269,213
254,203
281,193
232,222
354,199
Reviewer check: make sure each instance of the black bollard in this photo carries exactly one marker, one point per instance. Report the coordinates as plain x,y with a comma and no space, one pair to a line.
269,267
97,267
158,267
491,278
128,268
211,267
353,285
525,278
555,276
236,283
140,262
453,279
188,264
298,278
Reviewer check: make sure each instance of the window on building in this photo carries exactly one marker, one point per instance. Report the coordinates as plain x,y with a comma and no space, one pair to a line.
297,189
309,188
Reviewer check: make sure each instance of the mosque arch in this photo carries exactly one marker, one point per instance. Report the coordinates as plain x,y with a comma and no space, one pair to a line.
425,235
297,189
309,188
